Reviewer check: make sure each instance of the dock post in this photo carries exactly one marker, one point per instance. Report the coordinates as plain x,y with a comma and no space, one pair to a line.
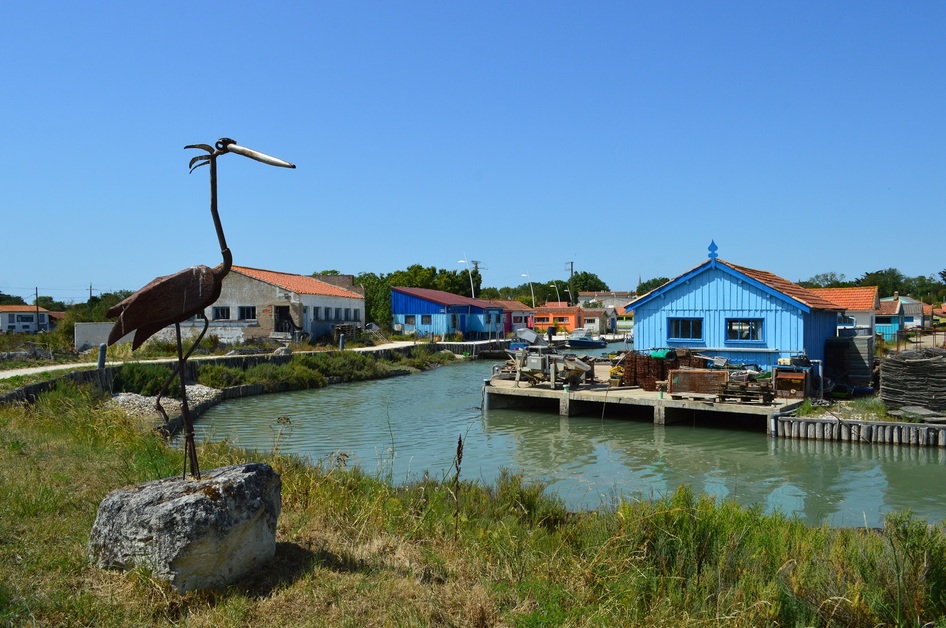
660,414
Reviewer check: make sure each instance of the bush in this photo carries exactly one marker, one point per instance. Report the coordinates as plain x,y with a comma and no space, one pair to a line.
349,366
145,379
219,376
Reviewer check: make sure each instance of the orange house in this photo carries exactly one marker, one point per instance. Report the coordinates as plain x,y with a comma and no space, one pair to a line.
563,317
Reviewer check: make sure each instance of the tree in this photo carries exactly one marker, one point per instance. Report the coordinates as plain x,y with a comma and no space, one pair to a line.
887,281
9,299
48,303
646,286
326,272
825,280
942,275
377,298
587,282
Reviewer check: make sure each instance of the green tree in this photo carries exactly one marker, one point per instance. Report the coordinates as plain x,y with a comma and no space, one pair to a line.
49,304
587,282
377,298
9,299
887,281
825,280
646,286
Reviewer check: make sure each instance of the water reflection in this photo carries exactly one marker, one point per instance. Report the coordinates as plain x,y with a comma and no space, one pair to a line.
406,426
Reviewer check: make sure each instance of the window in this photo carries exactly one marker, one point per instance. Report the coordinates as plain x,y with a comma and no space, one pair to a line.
685,328
221,313
541,319
328,313
516,319
846,321
425,319
347,313
338,313
409,319
316,312
247,312
24,318
561,319
744,329
357,314
884,320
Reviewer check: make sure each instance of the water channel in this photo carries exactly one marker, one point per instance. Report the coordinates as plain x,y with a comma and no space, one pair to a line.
404,427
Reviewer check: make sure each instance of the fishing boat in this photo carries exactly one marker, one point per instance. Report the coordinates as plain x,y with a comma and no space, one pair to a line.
584,339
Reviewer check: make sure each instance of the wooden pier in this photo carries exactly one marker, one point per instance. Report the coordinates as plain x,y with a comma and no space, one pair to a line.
593,398
775,417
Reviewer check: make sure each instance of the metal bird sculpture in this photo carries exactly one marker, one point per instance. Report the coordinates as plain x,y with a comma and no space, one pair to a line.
175,298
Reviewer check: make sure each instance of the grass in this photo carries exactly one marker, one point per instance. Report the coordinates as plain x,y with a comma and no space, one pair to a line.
353,550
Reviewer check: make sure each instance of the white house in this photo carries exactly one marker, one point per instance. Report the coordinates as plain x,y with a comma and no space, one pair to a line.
24,318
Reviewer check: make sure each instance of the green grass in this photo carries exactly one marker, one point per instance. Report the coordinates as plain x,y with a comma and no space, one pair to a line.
354,550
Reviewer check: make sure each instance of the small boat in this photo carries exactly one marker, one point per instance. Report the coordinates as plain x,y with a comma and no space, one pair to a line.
583,339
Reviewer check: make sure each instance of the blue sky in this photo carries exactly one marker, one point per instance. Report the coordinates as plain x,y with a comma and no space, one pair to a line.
803,137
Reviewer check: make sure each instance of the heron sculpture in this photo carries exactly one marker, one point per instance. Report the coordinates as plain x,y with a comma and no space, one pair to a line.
175,298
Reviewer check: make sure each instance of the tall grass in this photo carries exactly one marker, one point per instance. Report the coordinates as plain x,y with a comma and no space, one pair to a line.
355,550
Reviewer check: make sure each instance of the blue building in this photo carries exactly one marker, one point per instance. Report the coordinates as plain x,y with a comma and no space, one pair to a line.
748,316
427,312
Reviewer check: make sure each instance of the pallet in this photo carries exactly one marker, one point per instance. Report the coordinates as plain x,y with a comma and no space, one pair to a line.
746,392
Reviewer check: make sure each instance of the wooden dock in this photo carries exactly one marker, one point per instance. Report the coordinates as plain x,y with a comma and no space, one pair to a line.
775,416
593,397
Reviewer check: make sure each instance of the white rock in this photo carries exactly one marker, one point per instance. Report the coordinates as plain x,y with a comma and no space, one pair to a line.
196,534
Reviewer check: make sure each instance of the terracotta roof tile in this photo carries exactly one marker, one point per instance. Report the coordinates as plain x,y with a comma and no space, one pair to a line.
890,308
785,286
28,309
300,284
861,298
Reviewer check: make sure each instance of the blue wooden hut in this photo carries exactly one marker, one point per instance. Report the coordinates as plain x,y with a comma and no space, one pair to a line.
740,314
428,312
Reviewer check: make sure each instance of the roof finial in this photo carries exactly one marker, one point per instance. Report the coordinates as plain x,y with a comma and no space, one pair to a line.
712,248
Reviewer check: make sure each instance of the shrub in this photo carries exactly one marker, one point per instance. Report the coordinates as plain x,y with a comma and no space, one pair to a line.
219,376
145,379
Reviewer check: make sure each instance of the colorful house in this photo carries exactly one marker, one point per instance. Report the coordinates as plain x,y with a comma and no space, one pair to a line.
889,318
516,315
558,314
740,314
427,312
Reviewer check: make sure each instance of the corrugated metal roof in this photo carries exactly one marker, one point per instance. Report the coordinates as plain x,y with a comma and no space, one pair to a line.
512,306
300,284
862,298
445,298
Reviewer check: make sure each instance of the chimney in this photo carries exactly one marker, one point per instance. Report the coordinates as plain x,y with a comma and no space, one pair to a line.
896,295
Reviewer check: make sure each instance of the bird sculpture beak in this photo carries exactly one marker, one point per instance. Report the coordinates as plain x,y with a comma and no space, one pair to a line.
252,154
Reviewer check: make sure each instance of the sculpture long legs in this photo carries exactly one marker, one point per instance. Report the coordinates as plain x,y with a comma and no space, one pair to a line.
190,447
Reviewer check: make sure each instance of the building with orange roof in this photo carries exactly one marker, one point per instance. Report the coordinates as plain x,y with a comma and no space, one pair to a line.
740,314
256,303
27,319
860,305
560,315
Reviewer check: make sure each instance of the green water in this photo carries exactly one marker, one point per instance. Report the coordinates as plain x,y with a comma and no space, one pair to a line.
404,427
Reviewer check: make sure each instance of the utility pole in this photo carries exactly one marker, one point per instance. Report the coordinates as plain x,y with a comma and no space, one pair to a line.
36,301
571,283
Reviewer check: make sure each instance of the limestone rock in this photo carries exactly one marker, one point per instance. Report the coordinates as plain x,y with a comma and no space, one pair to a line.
283,351
195,533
